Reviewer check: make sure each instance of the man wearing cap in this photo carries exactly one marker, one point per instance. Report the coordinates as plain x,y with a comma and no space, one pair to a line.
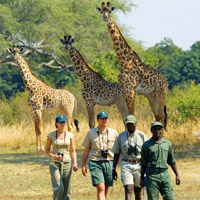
98,145
156,156
128,147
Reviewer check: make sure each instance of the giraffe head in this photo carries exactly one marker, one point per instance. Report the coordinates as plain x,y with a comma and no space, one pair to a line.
105,10
15,51
67,42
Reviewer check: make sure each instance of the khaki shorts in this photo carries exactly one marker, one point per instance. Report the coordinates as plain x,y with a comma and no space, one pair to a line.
130,173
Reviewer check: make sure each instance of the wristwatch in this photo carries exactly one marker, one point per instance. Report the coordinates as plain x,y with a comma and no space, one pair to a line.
113,168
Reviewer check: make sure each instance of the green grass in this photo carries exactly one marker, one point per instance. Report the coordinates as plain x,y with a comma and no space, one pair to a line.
25,175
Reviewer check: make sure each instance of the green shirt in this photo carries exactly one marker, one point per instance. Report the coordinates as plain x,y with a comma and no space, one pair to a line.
158,154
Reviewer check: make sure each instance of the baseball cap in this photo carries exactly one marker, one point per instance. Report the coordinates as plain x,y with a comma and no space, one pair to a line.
102,115
156,124
61,118
130,119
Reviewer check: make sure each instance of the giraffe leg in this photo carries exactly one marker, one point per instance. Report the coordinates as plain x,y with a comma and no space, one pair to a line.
154,105
67,110
69,119
37,117
69,123
90,110
123,109
162,114
157,106
128,91
129,97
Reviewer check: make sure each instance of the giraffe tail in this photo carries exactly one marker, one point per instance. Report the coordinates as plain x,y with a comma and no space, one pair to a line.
165,119
76,116
76,124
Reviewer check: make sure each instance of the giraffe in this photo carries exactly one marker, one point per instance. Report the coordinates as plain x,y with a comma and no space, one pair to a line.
135,77
95,89
44,98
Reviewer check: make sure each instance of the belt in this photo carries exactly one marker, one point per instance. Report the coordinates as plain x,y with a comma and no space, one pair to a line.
132,161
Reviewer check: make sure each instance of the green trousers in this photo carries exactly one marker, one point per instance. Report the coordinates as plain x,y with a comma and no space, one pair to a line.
159,180
61,179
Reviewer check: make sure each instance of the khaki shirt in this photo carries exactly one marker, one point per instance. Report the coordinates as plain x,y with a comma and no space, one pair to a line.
96,141
125,140
61,145
158,154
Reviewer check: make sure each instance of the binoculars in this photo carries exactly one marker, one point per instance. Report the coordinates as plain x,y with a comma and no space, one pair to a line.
60,154
104,153
132,149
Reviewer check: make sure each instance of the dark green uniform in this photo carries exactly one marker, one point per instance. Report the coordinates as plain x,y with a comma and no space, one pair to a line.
160,156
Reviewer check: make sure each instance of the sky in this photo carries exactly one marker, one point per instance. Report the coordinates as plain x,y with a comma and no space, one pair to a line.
152,20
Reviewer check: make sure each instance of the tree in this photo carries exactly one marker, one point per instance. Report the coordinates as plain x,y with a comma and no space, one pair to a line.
38,25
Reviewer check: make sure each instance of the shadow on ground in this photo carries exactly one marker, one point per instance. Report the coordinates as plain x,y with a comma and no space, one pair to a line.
31,158
192,151
180,151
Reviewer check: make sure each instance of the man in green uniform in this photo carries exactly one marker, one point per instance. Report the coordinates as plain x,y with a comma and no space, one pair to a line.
156,156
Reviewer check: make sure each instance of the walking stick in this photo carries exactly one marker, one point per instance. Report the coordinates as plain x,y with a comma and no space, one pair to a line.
144,188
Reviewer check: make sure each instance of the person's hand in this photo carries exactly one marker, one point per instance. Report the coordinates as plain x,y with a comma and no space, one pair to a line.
75,167
57,157
114,174
178,180
84,170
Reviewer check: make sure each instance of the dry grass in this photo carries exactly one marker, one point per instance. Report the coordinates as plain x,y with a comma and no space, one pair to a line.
20,135
24,173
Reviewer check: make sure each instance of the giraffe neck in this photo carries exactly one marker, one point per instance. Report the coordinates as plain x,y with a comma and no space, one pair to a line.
123,50
82,68
30,80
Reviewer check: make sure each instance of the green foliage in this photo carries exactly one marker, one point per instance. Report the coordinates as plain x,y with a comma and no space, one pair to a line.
107,65
184,102
33,21
30,22
10,82
178,66
15,109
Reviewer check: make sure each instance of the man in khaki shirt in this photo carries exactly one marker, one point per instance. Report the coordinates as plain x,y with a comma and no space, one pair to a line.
128,147
98,145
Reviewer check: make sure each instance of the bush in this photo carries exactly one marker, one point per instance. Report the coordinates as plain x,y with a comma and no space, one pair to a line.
184,102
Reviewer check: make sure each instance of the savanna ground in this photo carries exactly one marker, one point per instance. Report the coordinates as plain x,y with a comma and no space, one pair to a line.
24,173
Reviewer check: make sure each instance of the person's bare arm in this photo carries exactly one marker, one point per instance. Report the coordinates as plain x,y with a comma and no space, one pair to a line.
73,153
115,161
174,168
84,160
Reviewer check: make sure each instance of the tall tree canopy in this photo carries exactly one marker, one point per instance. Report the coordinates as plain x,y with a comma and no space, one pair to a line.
177,65
38,25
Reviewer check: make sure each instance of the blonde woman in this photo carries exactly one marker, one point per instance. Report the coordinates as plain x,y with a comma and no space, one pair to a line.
61,164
